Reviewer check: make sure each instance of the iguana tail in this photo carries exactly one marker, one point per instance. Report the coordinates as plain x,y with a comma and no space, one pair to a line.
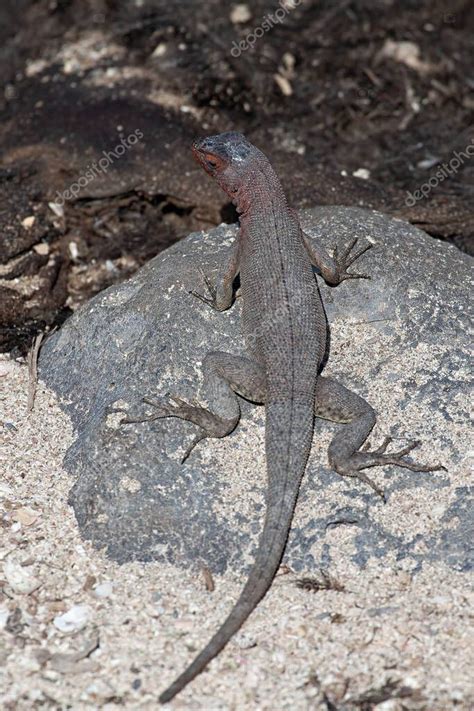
289,429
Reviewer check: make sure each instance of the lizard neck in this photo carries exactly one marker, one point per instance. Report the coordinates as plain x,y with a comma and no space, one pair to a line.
259,193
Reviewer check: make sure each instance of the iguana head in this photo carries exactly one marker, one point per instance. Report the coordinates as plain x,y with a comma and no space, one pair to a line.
227,158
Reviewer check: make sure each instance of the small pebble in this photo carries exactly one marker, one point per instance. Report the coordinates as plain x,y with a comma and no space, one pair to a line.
73,620
283,84
25,516
42,248
104,589
57,208
362,173
159,50
240,13
28,222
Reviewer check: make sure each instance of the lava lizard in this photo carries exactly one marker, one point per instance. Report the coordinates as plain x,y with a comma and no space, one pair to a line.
285,329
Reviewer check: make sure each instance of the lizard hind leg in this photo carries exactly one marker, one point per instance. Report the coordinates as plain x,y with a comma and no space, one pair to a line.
224,376
346,453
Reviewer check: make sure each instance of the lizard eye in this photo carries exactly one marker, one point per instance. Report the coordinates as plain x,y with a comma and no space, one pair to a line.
210,161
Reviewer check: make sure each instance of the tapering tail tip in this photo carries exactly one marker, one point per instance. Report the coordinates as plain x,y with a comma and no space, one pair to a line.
183,680
167,695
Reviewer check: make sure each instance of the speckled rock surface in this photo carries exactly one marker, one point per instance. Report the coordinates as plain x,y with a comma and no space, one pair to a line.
399,340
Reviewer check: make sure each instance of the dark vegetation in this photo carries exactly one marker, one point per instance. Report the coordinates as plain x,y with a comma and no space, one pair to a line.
356,103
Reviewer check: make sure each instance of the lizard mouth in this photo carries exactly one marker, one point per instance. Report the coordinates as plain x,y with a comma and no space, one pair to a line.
196,146
197,154
198,151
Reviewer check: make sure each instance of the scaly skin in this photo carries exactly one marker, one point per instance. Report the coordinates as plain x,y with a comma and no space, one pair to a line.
285,330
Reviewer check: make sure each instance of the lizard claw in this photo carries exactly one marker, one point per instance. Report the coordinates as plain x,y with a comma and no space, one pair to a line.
347,257
178,401
366,447
346,275
202,298
362,476
210,301
186,410
380,456
383,446
163,410
198,438
397,458
364,458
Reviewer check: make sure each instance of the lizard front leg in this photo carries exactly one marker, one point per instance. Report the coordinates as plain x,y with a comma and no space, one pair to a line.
224,413
221,296
336,403
334,269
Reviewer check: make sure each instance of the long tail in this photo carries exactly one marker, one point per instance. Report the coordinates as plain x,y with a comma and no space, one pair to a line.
287,453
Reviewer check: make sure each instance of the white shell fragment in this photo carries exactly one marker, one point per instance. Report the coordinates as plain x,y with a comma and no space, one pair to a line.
73,620
19,578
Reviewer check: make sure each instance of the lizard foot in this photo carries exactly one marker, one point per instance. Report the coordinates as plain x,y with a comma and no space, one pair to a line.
210,424
379,457
346,257
174,407
163,409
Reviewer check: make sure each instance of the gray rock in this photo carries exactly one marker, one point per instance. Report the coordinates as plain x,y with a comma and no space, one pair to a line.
399,340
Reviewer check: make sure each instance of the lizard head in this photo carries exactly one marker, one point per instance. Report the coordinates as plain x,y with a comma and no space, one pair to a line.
226,158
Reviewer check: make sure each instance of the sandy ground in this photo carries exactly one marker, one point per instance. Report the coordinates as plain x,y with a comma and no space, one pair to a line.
80,632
